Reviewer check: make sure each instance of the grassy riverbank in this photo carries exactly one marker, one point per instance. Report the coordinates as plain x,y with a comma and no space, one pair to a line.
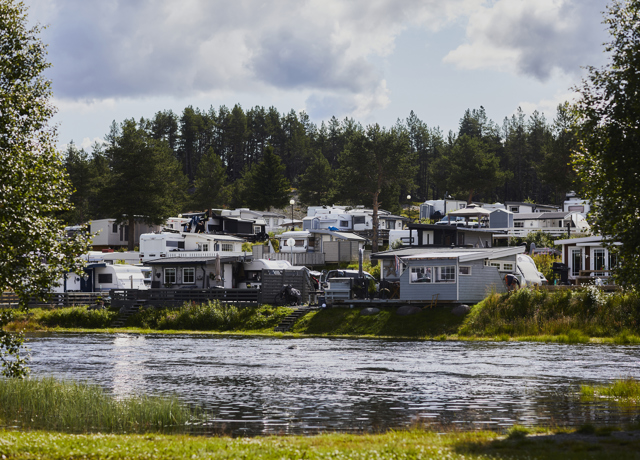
414,444
47,403
566,316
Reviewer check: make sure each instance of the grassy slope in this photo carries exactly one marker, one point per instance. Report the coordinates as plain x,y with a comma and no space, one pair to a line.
346,321
393,445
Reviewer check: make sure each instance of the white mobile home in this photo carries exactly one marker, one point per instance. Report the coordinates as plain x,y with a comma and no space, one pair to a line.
588,255
168,244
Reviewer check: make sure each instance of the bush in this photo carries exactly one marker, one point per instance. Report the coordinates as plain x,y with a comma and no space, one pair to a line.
574,314
210,316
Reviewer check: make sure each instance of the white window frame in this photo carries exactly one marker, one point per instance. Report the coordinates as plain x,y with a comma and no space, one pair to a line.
226,247
507,266
573,251
421,275
445,274
464,268
167,272
184,275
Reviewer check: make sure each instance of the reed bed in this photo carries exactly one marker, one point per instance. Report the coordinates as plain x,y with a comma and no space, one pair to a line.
50,404
69,317
623,390
570,316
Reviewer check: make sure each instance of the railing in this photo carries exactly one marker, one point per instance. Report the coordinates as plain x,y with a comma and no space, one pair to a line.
55,299
176,297
297,258
522,232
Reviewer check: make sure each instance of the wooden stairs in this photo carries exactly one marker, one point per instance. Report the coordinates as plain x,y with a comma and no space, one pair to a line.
289,320
125,313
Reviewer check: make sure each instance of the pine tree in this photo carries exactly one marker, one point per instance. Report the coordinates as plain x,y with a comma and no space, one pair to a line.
266,184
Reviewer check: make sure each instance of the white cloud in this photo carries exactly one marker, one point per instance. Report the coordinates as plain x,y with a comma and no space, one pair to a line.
123,49
537,38
548,106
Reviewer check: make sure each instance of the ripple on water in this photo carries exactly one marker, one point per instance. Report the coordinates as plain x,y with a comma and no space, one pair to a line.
258,386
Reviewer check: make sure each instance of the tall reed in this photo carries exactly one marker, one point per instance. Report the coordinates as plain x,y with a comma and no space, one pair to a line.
530,312
50,404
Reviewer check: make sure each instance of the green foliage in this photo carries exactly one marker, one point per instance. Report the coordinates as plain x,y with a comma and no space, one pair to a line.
51,404
12,363
473,166
626,390
540,238
266,185
374,160
210,316
143,179
570,315
34,189
316,185
609,133
77,317
545,262
209,183
349,321
373,270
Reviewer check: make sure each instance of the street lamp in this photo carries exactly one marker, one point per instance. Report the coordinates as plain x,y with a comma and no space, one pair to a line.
409,200
292,202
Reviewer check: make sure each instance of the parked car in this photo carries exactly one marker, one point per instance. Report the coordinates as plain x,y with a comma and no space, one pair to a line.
344,274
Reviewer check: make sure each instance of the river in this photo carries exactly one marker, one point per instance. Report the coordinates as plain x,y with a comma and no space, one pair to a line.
253,385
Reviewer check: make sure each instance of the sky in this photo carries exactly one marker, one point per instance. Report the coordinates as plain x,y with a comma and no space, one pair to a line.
373,60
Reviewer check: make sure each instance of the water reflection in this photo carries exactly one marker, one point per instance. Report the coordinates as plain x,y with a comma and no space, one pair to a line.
262,386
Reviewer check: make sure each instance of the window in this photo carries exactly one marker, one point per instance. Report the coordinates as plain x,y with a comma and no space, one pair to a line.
495,264
446,274
513,208
299,243
205,246
420,275
188,275
358,220
576,261
507,267
344,223
257,230
464,270
227,247
169,276
518,224
114,228
598,259
175,244
105,278
391,224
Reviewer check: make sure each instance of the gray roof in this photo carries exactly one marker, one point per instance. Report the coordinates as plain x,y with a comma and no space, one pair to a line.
540,215
430,252
195,260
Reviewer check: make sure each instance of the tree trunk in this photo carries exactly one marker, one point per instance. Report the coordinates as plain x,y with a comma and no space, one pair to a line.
132,233
374,218
470,197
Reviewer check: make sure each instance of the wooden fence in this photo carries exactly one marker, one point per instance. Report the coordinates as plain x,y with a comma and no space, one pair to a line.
272,284
177,297
53,299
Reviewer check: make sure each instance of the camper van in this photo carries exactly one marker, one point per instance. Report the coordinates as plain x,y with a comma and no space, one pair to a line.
104,277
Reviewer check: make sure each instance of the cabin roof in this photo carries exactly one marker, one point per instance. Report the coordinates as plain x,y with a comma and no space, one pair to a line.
463,254
194,260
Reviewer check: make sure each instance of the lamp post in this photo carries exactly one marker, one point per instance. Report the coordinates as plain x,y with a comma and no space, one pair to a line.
409,200
292,202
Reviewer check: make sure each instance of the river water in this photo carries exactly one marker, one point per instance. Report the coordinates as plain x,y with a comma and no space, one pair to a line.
253,386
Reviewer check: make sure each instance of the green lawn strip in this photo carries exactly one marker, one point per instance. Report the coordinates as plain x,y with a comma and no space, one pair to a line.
413,444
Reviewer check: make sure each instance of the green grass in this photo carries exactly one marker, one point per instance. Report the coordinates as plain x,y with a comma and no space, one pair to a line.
70,317
210,316
57,405
430,323
623,390
412,444
569,316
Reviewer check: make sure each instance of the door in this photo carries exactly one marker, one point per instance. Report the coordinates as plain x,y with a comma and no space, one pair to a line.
228,276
